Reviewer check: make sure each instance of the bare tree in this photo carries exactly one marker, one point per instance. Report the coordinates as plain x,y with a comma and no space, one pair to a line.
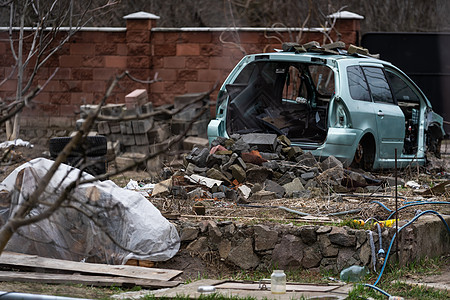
57,21
38,30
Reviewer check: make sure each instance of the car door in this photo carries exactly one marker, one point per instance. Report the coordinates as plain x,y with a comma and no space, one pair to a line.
389,117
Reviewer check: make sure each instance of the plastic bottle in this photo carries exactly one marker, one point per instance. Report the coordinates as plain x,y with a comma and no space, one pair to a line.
278,282
354,273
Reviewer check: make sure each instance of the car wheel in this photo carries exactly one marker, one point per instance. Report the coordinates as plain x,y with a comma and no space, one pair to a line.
364,154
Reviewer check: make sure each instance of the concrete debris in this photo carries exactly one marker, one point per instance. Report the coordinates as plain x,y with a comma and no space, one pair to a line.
260,167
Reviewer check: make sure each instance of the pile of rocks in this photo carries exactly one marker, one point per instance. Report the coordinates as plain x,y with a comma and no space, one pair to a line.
260,166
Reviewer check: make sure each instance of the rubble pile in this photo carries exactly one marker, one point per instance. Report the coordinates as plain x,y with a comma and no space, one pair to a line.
252,167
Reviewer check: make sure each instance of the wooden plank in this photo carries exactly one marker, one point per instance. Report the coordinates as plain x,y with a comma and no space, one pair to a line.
34,261
84,279
289,287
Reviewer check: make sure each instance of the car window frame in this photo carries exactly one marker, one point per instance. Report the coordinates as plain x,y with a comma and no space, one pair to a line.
394,101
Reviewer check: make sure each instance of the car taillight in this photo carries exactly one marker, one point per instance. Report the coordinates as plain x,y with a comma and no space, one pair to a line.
342,116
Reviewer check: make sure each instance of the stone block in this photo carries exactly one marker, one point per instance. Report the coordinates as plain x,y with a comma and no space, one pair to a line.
112,110
103,128
144,149
330,162
141,139
126,127
243,256
293,187
192,141
159,133
265,142
114,127
238,173
181,100
272,186
127,140
136,98
142,126
265,238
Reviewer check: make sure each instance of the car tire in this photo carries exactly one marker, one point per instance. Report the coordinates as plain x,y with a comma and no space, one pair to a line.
364,154
94,165
93,146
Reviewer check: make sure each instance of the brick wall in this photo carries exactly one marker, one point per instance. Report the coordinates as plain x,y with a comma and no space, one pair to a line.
187,60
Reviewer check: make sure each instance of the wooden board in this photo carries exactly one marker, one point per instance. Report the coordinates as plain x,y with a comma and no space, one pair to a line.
289,287
34,261
84,279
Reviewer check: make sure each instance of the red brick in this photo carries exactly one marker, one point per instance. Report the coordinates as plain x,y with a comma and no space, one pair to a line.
188,75
138,36
82,74
157,38
250,37
62,73
122,49
196,37
157,87
171,37
9,86
82,49
209,75
211,50
94,86
68,110
139,24
59,98
94,61
43,73
138,49
232,51
116,37
2,48
167,74
157,62
70,61
116,61
81,98
174,62
197,62
105,49
103,73
188,49
196,87
52,86
221,63
164,50
138,62
175,87
71,86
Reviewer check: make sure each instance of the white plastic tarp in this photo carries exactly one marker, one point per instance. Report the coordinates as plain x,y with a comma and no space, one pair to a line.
80,230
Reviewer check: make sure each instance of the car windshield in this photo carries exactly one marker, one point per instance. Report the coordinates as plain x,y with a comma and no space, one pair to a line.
286,98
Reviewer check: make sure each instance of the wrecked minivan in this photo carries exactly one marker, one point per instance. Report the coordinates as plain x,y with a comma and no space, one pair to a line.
330,101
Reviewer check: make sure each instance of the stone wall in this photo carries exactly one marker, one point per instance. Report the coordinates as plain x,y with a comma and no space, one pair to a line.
314,247
187,60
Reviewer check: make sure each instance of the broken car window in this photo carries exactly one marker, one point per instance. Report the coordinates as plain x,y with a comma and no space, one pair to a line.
281,98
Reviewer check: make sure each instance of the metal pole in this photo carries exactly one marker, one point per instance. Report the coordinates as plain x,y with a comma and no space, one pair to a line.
396,209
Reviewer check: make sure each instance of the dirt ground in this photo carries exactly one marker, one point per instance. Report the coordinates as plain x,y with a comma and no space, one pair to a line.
357,202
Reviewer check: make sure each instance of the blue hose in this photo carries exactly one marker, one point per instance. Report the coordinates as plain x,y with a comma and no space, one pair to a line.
378,289
382,205
414,204
392,242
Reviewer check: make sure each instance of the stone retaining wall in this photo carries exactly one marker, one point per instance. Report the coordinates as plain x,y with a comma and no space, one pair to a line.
313,247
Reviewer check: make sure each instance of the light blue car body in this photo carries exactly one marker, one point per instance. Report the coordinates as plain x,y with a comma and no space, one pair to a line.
381,123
